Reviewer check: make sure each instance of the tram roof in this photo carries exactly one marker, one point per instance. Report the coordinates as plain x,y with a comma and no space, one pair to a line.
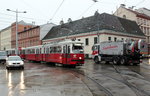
39,46
63,43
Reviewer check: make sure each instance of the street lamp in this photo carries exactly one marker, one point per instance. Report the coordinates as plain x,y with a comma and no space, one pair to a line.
16,11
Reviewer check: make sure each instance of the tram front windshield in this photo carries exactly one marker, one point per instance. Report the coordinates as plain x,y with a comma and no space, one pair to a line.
77,48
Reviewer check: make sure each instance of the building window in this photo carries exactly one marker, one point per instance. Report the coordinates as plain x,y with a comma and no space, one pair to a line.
109,38
144,21
95,40
144,30
86,41
115,39
124,16
25,28
148,31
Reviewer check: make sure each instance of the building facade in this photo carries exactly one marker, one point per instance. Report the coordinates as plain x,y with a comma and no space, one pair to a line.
5,38
139,17
29,37
21,27
33,36
144,11
94,29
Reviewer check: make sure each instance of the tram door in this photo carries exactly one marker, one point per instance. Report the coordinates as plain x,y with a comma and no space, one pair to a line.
66,54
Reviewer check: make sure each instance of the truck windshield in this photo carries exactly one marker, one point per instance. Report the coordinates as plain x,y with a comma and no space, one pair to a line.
3,54
77,48
95,47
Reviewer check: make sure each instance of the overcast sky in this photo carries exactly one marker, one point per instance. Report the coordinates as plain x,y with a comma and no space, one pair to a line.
43,11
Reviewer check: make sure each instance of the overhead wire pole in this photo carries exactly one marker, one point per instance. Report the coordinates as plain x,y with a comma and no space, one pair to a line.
16,26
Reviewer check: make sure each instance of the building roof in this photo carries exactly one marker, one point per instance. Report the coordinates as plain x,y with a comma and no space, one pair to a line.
23,23
5,29
142,15
95,23
28,29
44,29
144,11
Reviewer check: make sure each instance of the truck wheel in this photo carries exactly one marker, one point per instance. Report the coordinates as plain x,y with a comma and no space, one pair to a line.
123,61
135,64
107,62
7,68
96,60
115,60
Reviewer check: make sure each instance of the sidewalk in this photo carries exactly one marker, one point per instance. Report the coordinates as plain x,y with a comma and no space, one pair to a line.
145,63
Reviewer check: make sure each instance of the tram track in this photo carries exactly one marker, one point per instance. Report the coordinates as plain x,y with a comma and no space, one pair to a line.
138,91
134,88
86,79
139,73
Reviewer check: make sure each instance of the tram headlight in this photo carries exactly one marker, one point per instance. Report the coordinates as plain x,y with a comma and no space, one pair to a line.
80,57
74,56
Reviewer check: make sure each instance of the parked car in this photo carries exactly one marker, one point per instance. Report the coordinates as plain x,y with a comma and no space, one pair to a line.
3,57
14,61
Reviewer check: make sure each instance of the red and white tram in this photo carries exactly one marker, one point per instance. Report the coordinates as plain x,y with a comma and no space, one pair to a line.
65,52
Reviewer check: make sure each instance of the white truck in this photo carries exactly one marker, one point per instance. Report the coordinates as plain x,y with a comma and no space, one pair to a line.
119,52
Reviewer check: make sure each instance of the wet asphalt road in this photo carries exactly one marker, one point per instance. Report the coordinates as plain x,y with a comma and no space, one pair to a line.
88,80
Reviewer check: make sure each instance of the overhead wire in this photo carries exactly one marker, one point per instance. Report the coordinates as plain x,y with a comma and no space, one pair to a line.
57,9
140,3
5,21
124,1
94,1
37,10
23,17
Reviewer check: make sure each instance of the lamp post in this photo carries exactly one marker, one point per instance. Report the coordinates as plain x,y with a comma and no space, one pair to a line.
16,11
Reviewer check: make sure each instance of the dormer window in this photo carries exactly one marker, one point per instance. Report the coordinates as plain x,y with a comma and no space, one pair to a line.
124,16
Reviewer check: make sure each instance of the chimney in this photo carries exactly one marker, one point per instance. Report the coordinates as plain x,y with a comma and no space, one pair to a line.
69,20
61,22
96,13
131,8
123,5
33,22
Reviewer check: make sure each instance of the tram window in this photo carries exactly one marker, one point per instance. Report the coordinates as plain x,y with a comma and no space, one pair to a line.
64,49
58,49
68,49
40,51
47,50
44,50
33,51
55,49
75,47
50,50
36,51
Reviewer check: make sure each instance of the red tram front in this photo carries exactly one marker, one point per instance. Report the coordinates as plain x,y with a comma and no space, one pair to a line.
67,52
